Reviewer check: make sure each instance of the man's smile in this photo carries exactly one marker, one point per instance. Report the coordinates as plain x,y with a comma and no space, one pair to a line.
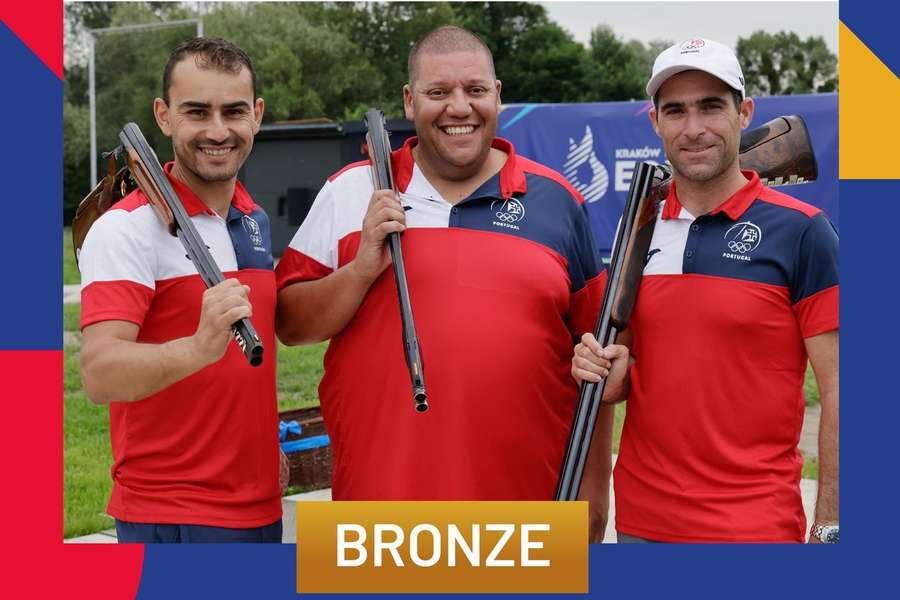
216,151
697,150
457,129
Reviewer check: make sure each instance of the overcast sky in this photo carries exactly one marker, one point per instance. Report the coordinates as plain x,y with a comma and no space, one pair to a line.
677,21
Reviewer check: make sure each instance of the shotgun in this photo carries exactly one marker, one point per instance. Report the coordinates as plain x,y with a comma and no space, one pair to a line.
151,179
379,147
780,151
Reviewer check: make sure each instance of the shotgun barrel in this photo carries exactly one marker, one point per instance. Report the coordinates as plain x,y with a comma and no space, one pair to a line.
379,146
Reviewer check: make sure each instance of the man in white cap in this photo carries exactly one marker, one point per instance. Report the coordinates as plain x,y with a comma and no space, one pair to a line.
740,290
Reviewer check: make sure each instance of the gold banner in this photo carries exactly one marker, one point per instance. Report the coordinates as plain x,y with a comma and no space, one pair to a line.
505,547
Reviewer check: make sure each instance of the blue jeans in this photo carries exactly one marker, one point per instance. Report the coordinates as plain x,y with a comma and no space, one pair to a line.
153,533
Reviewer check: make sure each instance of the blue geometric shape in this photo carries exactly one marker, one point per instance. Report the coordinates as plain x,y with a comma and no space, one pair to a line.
31,238
875,24
218,571
870,330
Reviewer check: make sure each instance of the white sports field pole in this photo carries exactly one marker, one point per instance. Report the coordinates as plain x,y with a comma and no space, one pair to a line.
92,91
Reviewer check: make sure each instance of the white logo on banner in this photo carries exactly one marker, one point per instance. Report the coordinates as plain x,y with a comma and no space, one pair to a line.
580,154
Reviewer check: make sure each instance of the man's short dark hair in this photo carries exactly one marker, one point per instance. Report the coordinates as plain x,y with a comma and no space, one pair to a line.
209,53
736,97
445,40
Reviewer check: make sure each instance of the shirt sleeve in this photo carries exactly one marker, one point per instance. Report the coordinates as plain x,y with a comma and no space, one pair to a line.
588,277
313,251
814,285
117,266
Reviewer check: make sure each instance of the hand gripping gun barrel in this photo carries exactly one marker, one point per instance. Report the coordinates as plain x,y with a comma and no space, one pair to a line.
780,151
379,148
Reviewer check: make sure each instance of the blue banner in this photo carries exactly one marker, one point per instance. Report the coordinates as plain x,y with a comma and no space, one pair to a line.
597,145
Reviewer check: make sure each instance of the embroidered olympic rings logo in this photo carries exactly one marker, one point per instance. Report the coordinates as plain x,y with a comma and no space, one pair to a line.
743,237
511,211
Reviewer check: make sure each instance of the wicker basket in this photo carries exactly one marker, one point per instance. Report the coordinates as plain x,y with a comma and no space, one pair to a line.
310,469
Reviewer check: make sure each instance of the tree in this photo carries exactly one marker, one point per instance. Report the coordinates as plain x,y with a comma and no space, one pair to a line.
782,63
78,17
296,51
502,26
536,59
76,157
646,56
617,70
552,69
128,73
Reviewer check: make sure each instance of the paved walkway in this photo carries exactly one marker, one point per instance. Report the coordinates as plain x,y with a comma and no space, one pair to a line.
71,294
809,437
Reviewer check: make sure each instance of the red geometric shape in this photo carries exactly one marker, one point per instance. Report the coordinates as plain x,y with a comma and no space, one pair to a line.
37,564
39,24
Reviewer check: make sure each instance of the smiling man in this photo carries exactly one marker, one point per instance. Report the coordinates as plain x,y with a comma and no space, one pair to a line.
193,426
739,292
502,272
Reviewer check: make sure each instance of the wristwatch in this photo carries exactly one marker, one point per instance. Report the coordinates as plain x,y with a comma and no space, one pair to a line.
827,534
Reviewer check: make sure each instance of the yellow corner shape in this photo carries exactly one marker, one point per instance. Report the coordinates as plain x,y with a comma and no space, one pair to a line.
868,132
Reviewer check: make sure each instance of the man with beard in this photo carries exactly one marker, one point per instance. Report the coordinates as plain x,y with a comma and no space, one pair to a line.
193,426
502,271
740,290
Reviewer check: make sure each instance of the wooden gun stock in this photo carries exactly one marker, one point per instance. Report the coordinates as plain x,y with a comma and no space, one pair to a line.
780,151
117,184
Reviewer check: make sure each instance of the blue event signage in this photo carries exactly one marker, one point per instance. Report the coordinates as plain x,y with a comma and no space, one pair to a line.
596,146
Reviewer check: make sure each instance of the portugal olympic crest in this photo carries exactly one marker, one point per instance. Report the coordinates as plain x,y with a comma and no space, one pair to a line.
743,238
509,211
252,228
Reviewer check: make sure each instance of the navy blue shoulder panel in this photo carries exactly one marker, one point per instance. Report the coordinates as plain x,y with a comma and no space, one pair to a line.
251,236
546,214
769,244
817,260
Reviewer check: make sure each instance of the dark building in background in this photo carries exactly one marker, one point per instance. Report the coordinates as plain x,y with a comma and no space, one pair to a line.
290,163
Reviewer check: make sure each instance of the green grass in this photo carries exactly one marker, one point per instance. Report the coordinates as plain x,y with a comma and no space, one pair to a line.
87,455
71,317
70,270
810,389
811,467
617,427
299,372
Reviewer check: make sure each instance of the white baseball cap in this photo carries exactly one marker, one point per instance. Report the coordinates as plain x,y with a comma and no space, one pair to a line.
697,54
